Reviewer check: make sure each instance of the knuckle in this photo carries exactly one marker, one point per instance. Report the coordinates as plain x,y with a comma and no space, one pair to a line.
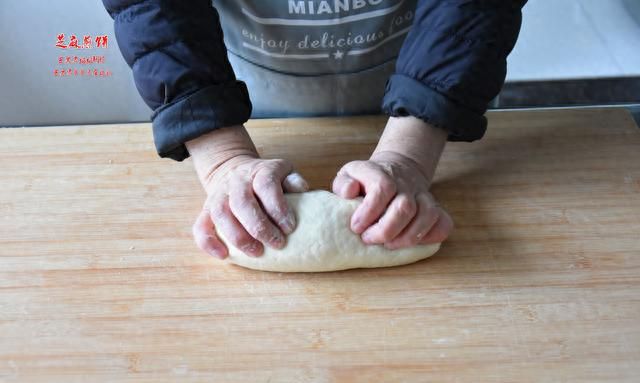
406,206
238,239
261,182
387,233
432,212
427,200
242,202
350,167
201,241
246,194
238,174
217,215
386,186
260,229
377,190
268,167
353,164
385,167
278,163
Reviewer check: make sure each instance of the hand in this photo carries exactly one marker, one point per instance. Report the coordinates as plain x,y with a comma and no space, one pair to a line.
245,197
246,203
397,210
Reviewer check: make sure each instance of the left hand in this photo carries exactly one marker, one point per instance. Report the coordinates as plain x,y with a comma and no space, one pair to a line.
397,210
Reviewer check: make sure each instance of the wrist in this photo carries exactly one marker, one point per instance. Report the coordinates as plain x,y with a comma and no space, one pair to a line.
402,161
415,140
218,149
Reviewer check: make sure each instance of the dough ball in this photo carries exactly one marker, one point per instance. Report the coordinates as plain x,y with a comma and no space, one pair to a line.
323,241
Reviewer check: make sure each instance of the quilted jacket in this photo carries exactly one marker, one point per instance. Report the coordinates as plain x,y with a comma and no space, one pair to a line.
450,65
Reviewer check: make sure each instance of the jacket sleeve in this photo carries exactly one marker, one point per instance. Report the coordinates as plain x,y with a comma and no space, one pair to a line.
453,63
180,67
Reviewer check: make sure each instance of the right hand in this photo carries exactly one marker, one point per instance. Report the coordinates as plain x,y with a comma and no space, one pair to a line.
245,202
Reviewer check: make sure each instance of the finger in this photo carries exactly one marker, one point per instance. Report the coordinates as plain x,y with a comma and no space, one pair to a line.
397,217
379,190
233,231
295,183
266,186
247,210
345,186
426,217
440,231
206,238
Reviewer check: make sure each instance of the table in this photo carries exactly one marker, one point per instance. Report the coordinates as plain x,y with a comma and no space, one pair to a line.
100,279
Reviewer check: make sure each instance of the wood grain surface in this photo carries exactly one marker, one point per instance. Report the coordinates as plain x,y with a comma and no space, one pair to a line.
100,279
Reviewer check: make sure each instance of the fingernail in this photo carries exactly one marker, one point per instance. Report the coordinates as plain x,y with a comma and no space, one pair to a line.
305,185
297,182
366,237
292,218
216,253
357,226
289,223
251,248
286,226
277,241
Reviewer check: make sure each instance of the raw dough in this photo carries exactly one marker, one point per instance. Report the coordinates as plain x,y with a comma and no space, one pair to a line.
322,241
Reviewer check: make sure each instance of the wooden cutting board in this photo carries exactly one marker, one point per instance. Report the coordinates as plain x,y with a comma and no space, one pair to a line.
101,281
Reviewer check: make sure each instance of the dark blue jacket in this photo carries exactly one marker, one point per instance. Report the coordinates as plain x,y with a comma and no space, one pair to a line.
451,65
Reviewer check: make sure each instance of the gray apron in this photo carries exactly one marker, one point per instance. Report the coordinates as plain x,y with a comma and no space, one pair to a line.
314,58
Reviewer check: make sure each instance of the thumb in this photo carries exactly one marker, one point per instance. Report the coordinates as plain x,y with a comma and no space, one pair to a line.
295,183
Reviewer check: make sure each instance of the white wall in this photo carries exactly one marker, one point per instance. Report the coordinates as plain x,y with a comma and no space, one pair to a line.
567,39
29,92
